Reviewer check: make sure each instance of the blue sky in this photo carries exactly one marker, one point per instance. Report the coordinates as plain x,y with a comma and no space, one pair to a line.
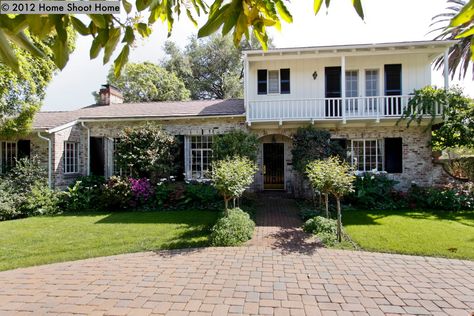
385,21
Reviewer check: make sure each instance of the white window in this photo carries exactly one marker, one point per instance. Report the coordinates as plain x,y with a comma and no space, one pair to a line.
71,157
273,81
372,82
8,155
352,83
198,156
367,154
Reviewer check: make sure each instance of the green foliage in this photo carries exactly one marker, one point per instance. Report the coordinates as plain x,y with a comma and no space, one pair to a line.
457,129
449,198
324,228
462,167
232,229
311,144
374,191
24,191
307,213
331,176
117,193
86,194
232,176
202,195
147,82
22,90
235,143
210,68
148,150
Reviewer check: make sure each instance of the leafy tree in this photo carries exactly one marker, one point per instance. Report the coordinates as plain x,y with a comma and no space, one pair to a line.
457,127
235,143
310,144
239,17
460,53
335,177
146,82
211,67
22,91
147,150
232,176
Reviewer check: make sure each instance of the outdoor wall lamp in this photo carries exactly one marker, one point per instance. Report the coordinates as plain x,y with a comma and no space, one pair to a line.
315,75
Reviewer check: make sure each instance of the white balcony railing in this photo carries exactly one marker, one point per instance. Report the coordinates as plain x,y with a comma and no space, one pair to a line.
379,107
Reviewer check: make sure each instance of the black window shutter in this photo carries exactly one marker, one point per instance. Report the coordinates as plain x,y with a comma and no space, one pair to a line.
24,149
285,81
262,81
393,79
179,158
393,155
342,142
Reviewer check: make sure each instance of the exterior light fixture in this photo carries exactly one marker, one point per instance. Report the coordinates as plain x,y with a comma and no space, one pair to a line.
315,75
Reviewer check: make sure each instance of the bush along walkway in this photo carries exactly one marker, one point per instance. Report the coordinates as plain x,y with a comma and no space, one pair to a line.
278,225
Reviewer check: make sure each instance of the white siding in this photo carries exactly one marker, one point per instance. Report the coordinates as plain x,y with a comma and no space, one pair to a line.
416,73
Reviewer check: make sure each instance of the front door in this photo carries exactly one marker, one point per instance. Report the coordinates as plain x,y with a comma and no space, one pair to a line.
333,91
273,166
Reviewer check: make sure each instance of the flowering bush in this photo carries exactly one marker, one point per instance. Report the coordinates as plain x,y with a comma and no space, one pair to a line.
142,190
448,198
117,193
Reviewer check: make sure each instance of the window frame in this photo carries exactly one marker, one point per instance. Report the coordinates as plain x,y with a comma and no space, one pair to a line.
379,154
74,168
201,153
279,80
277,71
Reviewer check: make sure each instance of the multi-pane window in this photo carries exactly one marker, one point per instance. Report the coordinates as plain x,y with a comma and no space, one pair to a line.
352,83
200,156
71,157
372,83
8,155
273,81
367,154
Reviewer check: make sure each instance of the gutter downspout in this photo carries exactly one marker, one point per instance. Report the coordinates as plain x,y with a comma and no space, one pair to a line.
88,147
50,158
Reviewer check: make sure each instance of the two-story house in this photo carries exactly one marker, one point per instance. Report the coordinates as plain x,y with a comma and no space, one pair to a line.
357,92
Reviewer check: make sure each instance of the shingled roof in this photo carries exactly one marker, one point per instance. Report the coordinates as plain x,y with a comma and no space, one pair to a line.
49,120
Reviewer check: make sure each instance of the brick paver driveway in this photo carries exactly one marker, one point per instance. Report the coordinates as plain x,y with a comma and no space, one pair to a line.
269,277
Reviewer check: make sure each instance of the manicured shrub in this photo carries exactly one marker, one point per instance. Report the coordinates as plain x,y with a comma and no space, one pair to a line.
163,191
8,203
202,195
324,228
232,229
232,176
235,143
374,191
117,193
307,213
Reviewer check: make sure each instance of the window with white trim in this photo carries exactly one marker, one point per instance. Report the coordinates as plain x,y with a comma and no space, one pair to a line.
367,154
372,82
8,155
71,157
273,81
199,157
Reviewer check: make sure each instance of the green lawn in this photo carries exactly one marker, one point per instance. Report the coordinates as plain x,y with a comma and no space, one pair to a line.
40,240
440,234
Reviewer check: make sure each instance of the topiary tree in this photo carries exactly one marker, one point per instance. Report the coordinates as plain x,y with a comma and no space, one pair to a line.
232,176
336,177
236,143
148,151
320,179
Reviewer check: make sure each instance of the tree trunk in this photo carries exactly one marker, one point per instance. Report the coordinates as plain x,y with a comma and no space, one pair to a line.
226,203
326,200
339,220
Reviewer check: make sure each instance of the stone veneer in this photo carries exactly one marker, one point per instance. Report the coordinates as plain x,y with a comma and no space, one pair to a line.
417,160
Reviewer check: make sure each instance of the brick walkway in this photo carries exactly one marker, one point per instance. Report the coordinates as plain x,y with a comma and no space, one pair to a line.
268,278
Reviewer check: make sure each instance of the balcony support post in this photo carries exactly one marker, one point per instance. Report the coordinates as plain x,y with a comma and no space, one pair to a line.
446,69
343,88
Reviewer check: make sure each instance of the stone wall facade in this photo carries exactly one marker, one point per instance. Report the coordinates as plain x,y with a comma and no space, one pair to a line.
418,166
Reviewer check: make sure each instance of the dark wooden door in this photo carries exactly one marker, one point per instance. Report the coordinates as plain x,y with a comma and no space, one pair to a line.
393,87
273,166
333,90
97,162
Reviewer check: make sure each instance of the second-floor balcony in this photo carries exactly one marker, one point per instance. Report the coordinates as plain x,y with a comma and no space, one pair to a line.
321,109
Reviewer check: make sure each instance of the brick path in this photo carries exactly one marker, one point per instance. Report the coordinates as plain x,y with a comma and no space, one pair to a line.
269,278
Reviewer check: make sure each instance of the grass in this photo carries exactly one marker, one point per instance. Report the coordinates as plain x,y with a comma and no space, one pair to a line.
47,239
442,234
